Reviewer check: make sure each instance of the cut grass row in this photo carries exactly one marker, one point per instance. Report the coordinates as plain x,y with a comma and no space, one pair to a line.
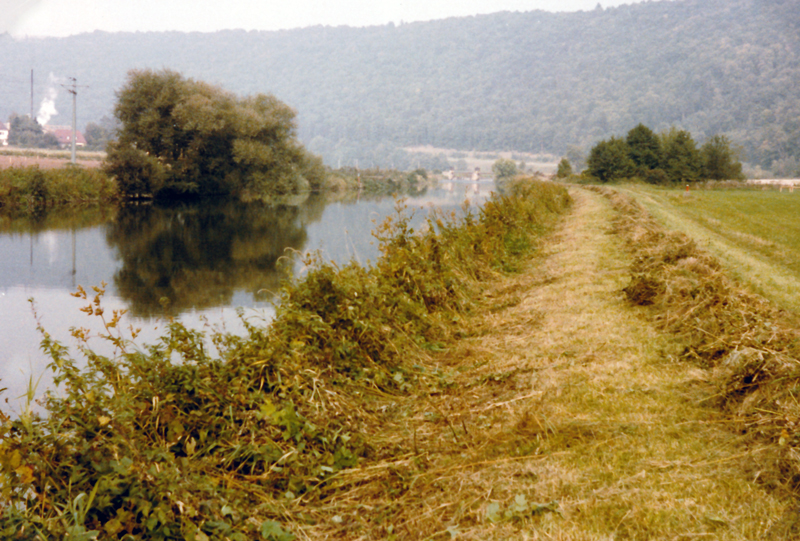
749,348
754,233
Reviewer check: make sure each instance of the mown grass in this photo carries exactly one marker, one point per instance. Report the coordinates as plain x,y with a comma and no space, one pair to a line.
567,416
766,221
750,347
277,431
754,233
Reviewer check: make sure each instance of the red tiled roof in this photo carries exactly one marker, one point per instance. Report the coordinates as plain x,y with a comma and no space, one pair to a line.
64,135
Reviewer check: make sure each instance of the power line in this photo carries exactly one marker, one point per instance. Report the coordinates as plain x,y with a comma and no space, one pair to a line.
73,89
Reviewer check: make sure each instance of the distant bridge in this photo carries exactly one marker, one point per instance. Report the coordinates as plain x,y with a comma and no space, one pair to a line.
780,183
775,181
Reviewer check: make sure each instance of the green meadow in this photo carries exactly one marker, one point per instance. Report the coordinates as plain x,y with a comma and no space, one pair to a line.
754,232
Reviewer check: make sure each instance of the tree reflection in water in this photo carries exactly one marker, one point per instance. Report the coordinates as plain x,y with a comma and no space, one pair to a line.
195,256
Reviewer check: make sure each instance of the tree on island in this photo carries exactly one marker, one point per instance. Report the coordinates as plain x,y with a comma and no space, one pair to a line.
179,137
504,169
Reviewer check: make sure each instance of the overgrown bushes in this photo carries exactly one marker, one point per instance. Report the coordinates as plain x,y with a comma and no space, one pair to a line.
141,445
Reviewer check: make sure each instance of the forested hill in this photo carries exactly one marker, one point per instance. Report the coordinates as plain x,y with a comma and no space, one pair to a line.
518,81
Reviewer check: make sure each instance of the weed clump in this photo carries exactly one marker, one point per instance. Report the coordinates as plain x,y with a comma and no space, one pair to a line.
171,441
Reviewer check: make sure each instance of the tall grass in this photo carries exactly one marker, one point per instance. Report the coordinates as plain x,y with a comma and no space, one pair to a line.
171,441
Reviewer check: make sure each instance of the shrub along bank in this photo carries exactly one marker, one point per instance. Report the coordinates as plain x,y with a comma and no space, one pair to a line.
32,190
216,446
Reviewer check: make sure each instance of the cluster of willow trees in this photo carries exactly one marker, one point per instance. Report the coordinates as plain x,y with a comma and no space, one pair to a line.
179,137
671,156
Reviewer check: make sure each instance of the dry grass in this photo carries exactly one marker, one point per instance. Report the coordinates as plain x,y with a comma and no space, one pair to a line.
560,414
45,162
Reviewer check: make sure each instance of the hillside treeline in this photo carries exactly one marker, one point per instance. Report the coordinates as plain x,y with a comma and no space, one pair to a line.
669,157
532,81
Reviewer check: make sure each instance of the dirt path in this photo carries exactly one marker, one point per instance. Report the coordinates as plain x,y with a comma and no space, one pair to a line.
620,438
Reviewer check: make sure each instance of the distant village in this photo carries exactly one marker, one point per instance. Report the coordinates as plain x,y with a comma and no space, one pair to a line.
62,134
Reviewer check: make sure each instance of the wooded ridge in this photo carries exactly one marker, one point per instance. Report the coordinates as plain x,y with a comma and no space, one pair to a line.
533,81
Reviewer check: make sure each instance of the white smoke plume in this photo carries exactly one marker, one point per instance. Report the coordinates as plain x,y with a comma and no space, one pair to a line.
48,107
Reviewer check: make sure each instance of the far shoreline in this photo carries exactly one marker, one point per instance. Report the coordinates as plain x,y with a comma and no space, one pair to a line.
48,159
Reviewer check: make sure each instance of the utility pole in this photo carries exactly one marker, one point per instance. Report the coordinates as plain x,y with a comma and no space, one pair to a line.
31,93
74,91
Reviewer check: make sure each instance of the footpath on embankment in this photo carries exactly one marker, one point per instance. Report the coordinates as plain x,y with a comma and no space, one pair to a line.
594,429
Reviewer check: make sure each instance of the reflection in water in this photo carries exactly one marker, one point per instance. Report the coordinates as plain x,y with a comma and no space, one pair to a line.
204,259
196,256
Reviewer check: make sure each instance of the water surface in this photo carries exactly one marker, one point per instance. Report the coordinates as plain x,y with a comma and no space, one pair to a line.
196,263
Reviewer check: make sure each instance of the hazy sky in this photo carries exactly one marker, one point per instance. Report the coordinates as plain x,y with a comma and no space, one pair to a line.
66,17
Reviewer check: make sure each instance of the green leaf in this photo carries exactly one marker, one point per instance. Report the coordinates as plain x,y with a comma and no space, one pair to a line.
272,531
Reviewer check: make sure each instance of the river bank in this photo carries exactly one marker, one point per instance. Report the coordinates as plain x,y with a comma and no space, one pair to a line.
34,185
276,417
492,379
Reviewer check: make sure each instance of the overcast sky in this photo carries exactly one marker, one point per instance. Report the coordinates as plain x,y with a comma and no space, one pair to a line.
66,17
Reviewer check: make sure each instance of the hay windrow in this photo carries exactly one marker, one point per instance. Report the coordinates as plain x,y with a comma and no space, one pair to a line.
752,347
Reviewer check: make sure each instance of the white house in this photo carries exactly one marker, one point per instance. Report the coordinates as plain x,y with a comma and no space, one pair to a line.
4,128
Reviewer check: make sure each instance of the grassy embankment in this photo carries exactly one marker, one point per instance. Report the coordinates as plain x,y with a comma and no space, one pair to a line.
681,428
283,429
395,404
754,232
